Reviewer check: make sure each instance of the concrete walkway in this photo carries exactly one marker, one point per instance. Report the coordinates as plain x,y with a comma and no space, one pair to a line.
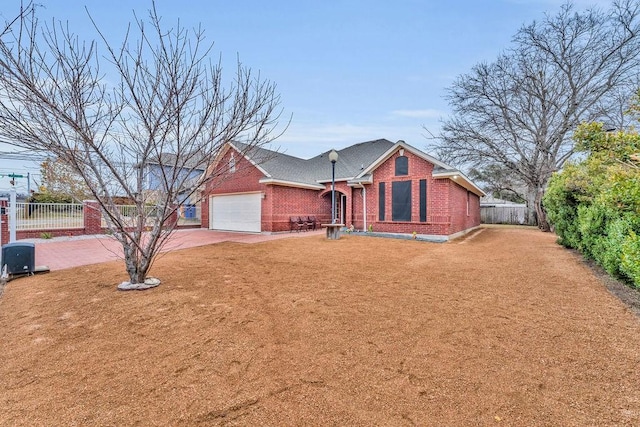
66,252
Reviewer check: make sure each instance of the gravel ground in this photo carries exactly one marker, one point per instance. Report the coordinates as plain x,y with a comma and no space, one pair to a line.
504,327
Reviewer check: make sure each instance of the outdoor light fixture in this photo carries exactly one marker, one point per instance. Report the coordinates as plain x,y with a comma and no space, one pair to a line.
333,158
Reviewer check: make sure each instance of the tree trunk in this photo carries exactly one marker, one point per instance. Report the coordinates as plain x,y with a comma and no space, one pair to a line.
531,205
543,223
535,211
136,261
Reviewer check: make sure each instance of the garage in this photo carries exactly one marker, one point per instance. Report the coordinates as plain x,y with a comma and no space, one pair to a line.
236,212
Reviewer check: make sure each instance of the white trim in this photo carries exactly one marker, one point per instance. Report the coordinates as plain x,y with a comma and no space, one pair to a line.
328,181
359,183
459,178
236,193
272,181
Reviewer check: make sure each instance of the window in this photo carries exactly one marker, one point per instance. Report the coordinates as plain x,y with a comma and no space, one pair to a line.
381,206
468,201
232,163
401,201
402,165
423,200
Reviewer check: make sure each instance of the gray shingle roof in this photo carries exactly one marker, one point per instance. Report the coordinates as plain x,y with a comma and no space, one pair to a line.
184,161
351,161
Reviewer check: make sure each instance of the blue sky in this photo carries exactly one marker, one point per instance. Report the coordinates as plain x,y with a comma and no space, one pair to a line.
347,71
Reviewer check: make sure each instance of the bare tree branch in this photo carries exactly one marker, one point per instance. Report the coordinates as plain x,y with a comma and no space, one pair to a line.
165,113
519,111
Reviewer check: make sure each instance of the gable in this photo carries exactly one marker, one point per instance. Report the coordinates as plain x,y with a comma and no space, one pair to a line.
437,169
232,172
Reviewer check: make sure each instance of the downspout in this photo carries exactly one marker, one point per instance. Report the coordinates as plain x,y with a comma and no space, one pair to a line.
364,206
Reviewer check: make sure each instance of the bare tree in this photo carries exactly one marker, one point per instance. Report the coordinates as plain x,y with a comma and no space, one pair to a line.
498,182
162,108
519,111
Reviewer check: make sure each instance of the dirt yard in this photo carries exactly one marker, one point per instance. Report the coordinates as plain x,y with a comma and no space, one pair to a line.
503,328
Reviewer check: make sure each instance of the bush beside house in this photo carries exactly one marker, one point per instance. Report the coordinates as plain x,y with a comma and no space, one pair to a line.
594,205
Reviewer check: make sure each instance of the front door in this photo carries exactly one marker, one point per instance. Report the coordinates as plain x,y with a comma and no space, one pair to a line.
342,209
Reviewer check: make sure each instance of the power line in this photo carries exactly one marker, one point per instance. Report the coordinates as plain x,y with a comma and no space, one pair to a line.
23,156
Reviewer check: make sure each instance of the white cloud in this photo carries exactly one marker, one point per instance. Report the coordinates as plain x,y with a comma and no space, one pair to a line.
428,113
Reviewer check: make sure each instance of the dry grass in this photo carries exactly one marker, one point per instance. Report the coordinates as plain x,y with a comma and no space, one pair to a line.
503,328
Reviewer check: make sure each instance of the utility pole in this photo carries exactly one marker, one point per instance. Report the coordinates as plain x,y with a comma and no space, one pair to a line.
12,215
12,207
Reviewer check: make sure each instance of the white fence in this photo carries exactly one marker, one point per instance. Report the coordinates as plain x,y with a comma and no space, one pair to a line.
49,216
187,215
56,216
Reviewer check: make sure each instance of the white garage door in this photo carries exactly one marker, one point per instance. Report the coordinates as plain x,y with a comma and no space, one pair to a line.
237,212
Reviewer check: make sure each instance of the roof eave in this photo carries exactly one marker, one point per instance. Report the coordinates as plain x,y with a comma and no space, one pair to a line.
328,181
360,182
459,178
284,183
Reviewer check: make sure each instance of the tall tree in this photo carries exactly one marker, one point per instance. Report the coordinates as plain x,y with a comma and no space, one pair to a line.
59,179
520,110
162,94
499,182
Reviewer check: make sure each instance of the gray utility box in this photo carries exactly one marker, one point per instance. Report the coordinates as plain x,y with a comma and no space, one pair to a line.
20,258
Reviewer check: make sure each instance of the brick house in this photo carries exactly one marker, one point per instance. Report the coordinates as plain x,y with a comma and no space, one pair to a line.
390,187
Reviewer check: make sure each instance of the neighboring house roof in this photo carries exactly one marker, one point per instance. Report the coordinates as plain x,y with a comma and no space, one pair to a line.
494,201
355,165
170,159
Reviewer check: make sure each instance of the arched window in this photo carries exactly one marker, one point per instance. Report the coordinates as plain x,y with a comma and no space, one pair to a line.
232,163
402,165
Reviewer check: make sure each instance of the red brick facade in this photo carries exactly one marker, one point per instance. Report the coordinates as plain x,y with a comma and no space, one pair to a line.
450,208
4,219
444,201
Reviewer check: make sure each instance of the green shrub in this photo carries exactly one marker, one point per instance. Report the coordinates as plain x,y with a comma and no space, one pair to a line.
46,235
562,209
594,205
50,198
594,224
609,256
630,258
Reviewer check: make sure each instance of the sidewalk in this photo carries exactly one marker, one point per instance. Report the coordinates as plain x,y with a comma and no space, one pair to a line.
66,252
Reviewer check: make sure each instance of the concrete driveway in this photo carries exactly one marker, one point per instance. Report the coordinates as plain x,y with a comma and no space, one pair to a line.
66,252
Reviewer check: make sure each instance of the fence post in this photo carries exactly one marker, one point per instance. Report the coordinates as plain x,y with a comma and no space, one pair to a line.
204,212
4,219
92,217
173,219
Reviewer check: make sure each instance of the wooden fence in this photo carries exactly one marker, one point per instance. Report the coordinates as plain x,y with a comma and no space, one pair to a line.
503,214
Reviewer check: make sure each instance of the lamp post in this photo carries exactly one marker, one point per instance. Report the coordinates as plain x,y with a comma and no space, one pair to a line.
333,157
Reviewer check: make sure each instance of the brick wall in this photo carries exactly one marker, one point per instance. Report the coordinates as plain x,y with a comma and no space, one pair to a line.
446,201
279,202
283,202
465,208
438,219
